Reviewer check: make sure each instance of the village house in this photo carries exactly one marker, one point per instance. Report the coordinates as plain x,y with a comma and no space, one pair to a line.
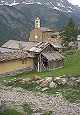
14,60
43,34
39,56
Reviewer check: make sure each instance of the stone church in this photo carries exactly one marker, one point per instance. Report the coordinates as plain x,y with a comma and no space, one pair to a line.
43,34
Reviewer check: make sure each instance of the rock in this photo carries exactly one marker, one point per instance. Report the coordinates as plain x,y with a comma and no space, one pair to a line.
73,78
28,79
60,81
78,80
56,78
36,78
64,81
44,83
4,81
71,83
53,85
49,79
44,89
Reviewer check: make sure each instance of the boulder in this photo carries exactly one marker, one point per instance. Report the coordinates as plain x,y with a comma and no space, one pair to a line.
60,81
35,78
44,83
53,85
49,79
44,89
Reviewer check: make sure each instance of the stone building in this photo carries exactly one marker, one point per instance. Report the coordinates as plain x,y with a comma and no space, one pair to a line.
42,34
14,60
39,56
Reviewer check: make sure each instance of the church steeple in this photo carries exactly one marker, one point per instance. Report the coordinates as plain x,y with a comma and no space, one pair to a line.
37,22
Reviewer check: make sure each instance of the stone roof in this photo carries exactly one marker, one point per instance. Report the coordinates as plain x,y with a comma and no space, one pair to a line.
39,47
14,44
14,49
10,54
53,56
27,46
57,45
44,29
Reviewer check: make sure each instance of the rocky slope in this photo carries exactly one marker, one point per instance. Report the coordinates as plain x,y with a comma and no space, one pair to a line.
39,102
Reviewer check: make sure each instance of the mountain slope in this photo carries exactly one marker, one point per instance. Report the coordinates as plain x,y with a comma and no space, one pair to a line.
17,17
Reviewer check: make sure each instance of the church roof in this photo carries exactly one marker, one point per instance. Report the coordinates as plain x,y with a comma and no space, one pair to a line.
44,29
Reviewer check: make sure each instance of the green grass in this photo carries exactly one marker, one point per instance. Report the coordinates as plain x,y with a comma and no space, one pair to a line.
10,112
72,94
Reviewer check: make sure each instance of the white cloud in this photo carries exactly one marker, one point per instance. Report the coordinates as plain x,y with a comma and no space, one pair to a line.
75,2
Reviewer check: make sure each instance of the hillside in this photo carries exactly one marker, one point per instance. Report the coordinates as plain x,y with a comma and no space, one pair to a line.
17,17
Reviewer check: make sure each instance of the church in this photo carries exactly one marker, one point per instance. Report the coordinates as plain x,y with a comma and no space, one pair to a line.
38,54
43,34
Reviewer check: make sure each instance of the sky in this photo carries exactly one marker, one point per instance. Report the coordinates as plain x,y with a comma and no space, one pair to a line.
75,2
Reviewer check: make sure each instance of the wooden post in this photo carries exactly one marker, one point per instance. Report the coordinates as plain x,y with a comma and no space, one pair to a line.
38,65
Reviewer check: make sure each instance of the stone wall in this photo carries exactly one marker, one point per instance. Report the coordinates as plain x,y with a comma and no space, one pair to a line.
13,73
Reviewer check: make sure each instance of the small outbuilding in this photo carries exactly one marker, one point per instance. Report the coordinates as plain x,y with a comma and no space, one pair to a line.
46,57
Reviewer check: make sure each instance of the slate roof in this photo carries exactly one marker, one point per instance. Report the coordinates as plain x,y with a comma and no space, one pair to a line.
14,44
43,29
53,56
9,54
39,47
14,49
57,45
27,46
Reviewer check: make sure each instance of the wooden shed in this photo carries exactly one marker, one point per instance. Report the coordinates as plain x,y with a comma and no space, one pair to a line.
46,57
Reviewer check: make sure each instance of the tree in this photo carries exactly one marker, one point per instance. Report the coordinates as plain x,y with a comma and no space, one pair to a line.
70,31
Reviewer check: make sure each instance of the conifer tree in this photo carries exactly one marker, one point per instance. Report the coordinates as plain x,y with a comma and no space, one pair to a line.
70,31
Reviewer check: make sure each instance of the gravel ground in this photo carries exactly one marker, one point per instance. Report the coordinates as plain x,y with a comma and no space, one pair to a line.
39,101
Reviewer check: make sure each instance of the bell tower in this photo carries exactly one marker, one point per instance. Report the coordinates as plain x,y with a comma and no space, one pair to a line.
37,22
